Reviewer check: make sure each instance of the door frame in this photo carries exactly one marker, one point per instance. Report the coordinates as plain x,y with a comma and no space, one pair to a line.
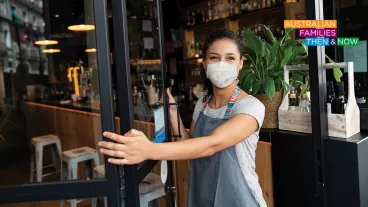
73,189
133,175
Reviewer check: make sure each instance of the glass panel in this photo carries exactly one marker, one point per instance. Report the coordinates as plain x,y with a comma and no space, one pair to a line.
147,74
50,98
146,67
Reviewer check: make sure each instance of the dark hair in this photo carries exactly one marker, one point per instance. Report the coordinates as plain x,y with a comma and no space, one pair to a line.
218,35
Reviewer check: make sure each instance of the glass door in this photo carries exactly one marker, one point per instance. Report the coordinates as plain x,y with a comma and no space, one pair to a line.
141,85
56,98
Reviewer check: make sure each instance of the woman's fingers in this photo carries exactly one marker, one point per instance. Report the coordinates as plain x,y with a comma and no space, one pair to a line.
134,133
116,137
118,161
113,153
112,146
171,98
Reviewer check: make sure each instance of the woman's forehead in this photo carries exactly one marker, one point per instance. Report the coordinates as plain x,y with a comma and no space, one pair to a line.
223,46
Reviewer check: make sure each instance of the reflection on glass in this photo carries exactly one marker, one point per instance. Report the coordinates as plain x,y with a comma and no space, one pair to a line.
147,84
49,96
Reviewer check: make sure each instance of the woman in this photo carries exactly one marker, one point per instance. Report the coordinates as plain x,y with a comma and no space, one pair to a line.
225,127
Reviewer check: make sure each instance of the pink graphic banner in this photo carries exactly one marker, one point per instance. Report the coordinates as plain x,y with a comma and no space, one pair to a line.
317,32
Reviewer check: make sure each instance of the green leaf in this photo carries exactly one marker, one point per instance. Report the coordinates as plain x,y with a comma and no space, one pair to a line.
270,35
285,86
336,71
248,81
288,52
269,88
255,87
287,36
252,44
268,54
298,78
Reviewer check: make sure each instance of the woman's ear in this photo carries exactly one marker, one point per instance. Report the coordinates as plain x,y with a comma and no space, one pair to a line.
241,62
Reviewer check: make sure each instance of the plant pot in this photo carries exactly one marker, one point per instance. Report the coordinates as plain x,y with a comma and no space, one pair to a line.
271,120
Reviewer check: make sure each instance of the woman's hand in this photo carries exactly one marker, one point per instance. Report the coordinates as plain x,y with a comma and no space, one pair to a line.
173,108
132,148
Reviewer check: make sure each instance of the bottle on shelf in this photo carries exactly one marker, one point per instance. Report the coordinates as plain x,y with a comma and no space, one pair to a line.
189,19
196,53
268,3
216,12
231,8
237,7
135,95
292,99
209,12
198,17
151,92
193,18
263,4
330,95
338,103
304,103
244,6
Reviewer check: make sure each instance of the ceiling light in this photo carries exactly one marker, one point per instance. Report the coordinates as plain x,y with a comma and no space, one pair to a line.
46,42
51,51
82,27
91,50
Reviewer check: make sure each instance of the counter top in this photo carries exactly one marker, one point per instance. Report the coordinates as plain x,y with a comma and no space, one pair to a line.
93,107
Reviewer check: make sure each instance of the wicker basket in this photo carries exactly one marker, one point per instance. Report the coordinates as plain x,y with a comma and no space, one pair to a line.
271,120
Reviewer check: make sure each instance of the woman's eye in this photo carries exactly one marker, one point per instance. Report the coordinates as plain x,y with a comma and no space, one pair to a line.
231,58
213,58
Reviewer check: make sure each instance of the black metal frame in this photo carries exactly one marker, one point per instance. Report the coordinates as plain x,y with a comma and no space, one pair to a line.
133,175
316,57
110,186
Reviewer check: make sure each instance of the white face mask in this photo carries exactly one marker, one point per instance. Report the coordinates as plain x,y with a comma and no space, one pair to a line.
222,74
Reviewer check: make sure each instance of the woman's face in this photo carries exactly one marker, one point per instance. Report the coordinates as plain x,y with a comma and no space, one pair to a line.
224,50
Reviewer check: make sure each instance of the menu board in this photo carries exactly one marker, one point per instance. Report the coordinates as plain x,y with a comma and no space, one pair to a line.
160,131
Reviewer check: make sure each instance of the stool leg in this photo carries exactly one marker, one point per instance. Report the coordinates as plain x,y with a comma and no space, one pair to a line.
39,162
89,171
32,165
96,160
73,175
94,202
154,203
54,156
62,176
105,202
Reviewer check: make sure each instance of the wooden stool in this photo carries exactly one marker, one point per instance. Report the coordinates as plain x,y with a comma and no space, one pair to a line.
151,189
71,158
38,143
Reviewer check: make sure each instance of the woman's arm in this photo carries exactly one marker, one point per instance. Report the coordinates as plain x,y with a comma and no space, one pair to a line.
134,147
226,135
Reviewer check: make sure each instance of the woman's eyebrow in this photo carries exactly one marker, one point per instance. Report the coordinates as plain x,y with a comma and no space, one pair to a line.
230,54
213,53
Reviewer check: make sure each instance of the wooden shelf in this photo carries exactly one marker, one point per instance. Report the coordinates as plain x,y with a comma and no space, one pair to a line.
257,12
238,16
191,27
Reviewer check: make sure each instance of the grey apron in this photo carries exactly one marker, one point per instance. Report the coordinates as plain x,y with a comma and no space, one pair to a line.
217,180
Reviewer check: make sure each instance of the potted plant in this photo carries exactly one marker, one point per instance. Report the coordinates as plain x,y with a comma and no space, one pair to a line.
263,71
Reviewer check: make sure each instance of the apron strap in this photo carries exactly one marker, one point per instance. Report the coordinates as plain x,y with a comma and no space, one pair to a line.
230,105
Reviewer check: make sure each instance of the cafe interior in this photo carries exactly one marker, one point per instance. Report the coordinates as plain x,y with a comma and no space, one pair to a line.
50,97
